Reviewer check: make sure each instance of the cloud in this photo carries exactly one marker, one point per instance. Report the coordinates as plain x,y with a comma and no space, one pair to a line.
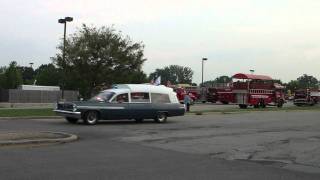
278,38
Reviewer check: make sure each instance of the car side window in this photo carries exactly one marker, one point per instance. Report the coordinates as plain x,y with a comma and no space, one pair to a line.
121,98
160,98
140,97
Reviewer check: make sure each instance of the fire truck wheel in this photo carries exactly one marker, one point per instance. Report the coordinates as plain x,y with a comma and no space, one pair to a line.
225,102
204,101
280,104
256,106
243,106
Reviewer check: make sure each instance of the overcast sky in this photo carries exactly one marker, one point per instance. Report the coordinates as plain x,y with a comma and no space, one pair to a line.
279,38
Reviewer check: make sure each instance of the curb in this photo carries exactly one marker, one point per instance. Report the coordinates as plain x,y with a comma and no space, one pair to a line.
30,117
68,138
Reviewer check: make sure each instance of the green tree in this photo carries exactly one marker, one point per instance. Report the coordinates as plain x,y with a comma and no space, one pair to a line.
223,79
48,75
2,76
98,57
27,74
218,80
292,85
302,82
174,73
306,81
13,77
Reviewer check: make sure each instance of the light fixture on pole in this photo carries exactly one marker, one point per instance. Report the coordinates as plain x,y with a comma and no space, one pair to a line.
64,21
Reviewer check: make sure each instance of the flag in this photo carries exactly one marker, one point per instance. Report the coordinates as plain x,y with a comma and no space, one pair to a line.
157,81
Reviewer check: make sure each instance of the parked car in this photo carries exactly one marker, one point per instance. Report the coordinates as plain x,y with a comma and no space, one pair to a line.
125,101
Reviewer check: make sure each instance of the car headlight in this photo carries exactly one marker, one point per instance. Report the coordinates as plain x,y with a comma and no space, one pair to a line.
74,108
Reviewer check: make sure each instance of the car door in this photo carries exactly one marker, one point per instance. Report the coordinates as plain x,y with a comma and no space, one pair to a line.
118,108
140,105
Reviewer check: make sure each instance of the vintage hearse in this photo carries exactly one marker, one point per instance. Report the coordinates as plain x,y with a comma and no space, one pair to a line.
124,101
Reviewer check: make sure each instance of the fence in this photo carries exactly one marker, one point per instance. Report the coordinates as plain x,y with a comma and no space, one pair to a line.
4,97
35,96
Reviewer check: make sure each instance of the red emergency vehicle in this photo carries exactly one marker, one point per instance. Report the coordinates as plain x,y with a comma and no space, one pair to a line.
181,92
306,97
257,91
220,93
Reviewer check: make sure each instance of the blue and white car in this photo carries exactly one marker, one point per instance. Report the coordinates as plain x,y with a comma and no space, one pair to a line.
125,101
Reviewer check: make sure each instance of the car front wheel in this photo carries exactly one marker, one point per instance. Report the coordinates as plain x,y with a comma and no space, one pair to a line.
72,120
161,117
91,117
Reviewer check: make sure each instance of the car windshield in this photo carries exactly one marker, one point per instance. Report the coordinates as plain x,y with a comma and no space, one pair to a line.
103,96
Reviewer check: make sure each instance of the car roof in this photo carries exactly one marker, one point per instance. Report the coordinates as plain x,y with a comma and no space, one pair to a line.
125,88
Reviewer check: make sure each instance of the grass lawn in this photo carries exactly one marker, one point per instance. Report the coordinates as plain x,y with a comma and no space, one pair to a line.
26,112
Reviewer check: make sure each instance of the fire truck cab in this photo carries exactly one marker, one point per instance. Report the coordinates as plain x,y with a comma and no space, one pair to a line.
257,91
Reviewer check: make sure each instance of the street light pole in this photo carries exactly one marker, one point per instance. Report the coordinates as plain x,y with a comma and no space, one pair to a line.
64,21
64,41
202,85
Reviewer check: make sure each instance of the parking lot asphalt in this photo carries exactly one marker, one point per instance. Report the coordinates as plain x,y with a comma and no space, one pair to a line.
198,106
256,145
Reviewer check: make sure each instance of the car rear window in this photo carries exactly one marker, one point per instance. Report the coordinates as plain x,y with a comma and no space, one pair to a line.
140,97
160,98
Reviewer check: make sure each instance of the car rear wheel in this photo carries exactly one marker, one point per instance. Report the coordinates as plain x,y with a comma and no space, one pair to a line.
72,120
139,120
161,117
91,117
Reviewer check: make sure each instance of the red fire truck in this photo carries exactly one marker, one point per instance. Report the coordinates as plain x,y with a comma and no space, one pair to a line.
257,91
194,90
306,97
181,92
220,93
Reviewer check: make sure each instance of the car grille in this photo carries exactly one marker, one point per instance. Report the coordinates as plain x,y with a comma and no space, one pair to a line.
65,106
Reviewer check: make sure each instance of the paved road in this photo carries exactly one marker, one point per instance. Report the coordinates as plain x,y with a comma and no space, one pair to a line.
218,106
184,148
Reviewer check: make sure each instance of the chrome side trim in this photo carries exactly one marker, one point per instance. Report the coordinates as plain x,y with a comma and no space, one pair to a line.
98,107
66,112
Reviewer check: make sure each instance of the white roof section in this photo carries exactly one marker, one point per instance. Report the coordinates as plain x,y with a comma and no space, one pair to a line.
148,88
142,88
39,88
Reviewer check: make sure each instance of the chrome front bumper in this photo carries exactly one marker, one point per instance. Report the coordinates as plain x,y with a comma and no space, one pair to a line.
68,113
